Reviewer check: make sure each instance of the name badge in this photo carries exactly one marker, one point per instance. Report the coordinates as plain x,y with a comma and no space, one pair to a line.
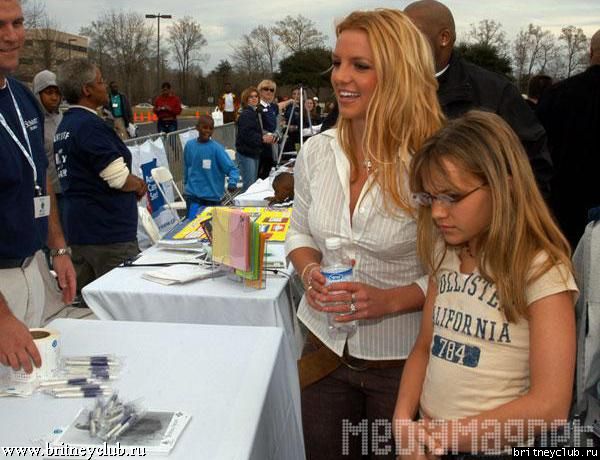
41,206
115,105
206,164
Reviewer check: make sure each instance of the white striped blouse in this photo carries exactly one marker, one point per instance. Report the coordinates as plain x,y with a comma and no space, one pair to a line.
383,246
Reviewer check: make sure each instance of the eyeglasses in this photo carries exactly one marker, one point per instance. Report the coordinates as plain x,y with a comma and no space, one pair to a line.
426,199
272,90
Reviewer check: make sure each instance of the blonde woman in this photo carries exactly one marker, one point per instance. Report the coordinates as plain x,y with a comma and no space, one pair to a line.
351,183
268,112
495,357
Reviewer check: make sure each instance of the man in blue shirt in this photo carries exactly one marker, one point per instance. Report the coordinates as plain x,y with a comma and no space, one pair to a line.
94,168
206,164
28,212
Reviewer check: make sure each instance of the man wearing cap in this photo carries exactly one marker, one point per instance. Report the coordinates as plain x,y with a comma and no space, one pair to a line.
28,218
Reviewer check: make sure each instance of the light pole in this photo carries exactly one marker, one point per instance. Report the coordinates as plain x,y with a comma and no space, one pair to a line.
158,17
70,41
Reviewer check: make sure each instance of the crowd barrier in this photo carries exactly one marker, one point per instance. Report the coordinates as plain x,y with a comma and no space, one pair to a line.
224,134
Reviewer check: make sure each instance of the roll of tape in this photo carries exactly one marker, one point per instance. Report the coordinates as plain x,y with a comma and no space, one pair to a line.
48,344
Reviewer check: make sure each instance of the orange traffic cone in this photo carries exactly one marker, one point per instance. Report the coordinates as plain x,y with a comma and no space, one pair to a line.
135,117
197,114
154,117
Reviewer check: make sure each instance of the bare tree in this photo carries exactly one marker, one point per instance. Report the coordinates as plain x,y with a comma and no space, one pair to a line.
533,50
576,44
247,57
122,45
299,33
34,12
187,40
266,43
489,33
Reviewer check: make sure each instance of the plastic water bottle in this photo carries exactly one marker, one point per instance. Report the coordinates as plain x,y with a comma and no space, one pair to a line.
338,270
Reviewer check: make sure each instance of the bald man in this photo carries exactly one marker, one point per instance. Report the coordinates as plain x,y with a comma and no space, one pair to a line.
570,112
464,86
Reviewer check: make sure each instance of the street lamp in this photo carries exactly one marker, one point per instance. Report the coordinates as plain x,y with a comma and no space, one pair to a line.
70,41
158,17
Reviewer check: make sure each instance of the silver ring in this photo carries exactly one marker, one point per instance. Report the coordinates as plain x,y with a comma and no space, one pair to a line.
353,297
353,308
309,287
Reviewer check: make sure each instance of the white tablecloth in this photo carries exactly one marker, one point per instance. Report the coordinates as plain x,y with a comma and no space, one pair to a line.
123,294
233,381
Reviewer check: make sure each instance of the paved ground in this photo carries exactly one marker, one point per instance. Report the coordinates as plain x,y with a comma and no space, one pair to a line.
147,128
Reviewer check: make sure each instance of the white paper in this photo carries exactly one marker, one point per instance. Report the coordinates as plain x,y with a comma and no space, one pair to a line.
178,274
162,441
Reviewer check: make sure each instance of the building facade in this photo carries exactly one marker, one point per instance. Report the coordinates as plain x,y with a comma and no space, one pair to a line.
47,49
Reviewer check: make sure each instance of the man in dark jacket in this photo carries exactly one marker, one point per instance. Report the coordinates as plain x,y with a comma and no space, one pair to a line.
119,106
570,112
464,86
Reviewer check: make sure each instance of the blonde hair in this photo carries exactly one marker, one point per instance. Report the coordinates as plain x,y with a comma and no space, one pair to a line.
521,227
404,109
267,83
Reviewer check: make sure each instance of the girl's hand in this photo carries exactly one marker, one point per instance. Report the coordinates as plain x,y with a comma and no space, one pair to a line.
356,301
438,434
412,441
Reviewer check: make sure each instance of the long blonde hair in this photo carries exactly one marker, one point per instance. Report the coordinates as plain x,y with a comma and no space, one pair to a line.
404,109
484,145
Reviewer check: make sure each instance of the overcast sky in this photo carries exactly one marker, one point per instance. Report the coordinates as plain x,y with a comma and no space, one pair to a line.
225,21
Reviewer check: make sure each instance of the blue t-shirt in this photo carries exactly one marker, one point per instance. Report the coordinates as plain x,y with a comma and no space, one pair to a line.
21,234
205,166
94,213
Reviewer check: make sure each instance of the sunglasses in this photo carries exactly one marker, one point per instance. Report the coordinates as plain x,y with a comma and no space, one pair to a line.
272,90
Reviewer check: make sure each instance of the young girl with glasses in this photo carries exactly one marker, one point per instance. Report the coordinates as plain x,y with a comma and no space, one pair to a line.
494,361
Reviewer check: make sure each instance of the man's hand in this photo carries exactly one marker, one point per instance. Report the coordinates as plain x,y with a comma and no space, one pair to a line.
16,344
142,189
67,280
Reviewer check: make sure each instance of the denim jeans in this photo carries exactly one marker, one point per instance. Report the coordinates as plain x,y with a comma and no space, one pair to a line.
248,169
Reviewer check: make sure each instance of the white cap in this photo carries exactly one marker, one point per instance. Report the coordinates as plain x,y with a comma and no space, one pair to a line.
333,243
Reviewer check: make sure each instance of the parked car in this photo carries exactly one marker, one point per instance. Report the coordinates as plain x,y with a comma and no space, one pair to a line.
144,105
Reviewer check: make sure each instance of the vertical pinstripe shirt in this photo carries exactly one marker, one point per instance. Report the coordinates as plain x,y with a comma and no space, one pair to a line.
383,246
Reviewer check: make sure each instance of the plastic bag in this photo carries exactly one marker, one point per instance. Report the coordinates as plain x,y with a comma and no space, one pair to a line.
217,116
132,130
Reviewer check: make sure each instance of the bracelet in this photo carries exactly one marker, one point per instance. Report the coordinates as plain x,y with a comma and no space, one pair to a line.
60,252
306,267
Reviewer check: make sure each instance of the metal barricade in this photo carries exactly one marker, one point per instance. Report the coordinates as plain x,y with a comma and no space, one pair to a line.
224,134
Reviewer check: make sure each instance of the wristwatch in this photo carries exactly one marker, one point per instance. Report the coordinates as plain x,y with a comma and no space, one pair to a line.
60,252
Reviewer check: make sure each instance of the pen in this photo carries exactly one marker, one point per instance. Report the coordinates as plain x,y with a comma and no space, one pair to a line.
73,381
82,394
81,388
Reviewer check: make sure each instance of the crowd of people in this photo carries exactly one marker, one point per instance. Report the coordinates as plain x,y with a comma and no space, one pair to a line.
457,201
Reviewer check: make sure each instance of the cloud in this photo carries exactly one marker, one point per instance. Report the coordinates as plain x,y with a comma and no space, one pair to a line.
225,21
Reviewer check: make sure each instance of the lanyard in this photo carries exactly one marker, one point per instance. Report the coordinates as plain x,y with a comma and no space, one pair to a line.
14,137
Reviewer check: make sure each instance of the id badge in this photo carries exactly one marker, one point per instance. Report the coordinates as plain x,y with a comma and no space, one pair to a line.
206,164
41,206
